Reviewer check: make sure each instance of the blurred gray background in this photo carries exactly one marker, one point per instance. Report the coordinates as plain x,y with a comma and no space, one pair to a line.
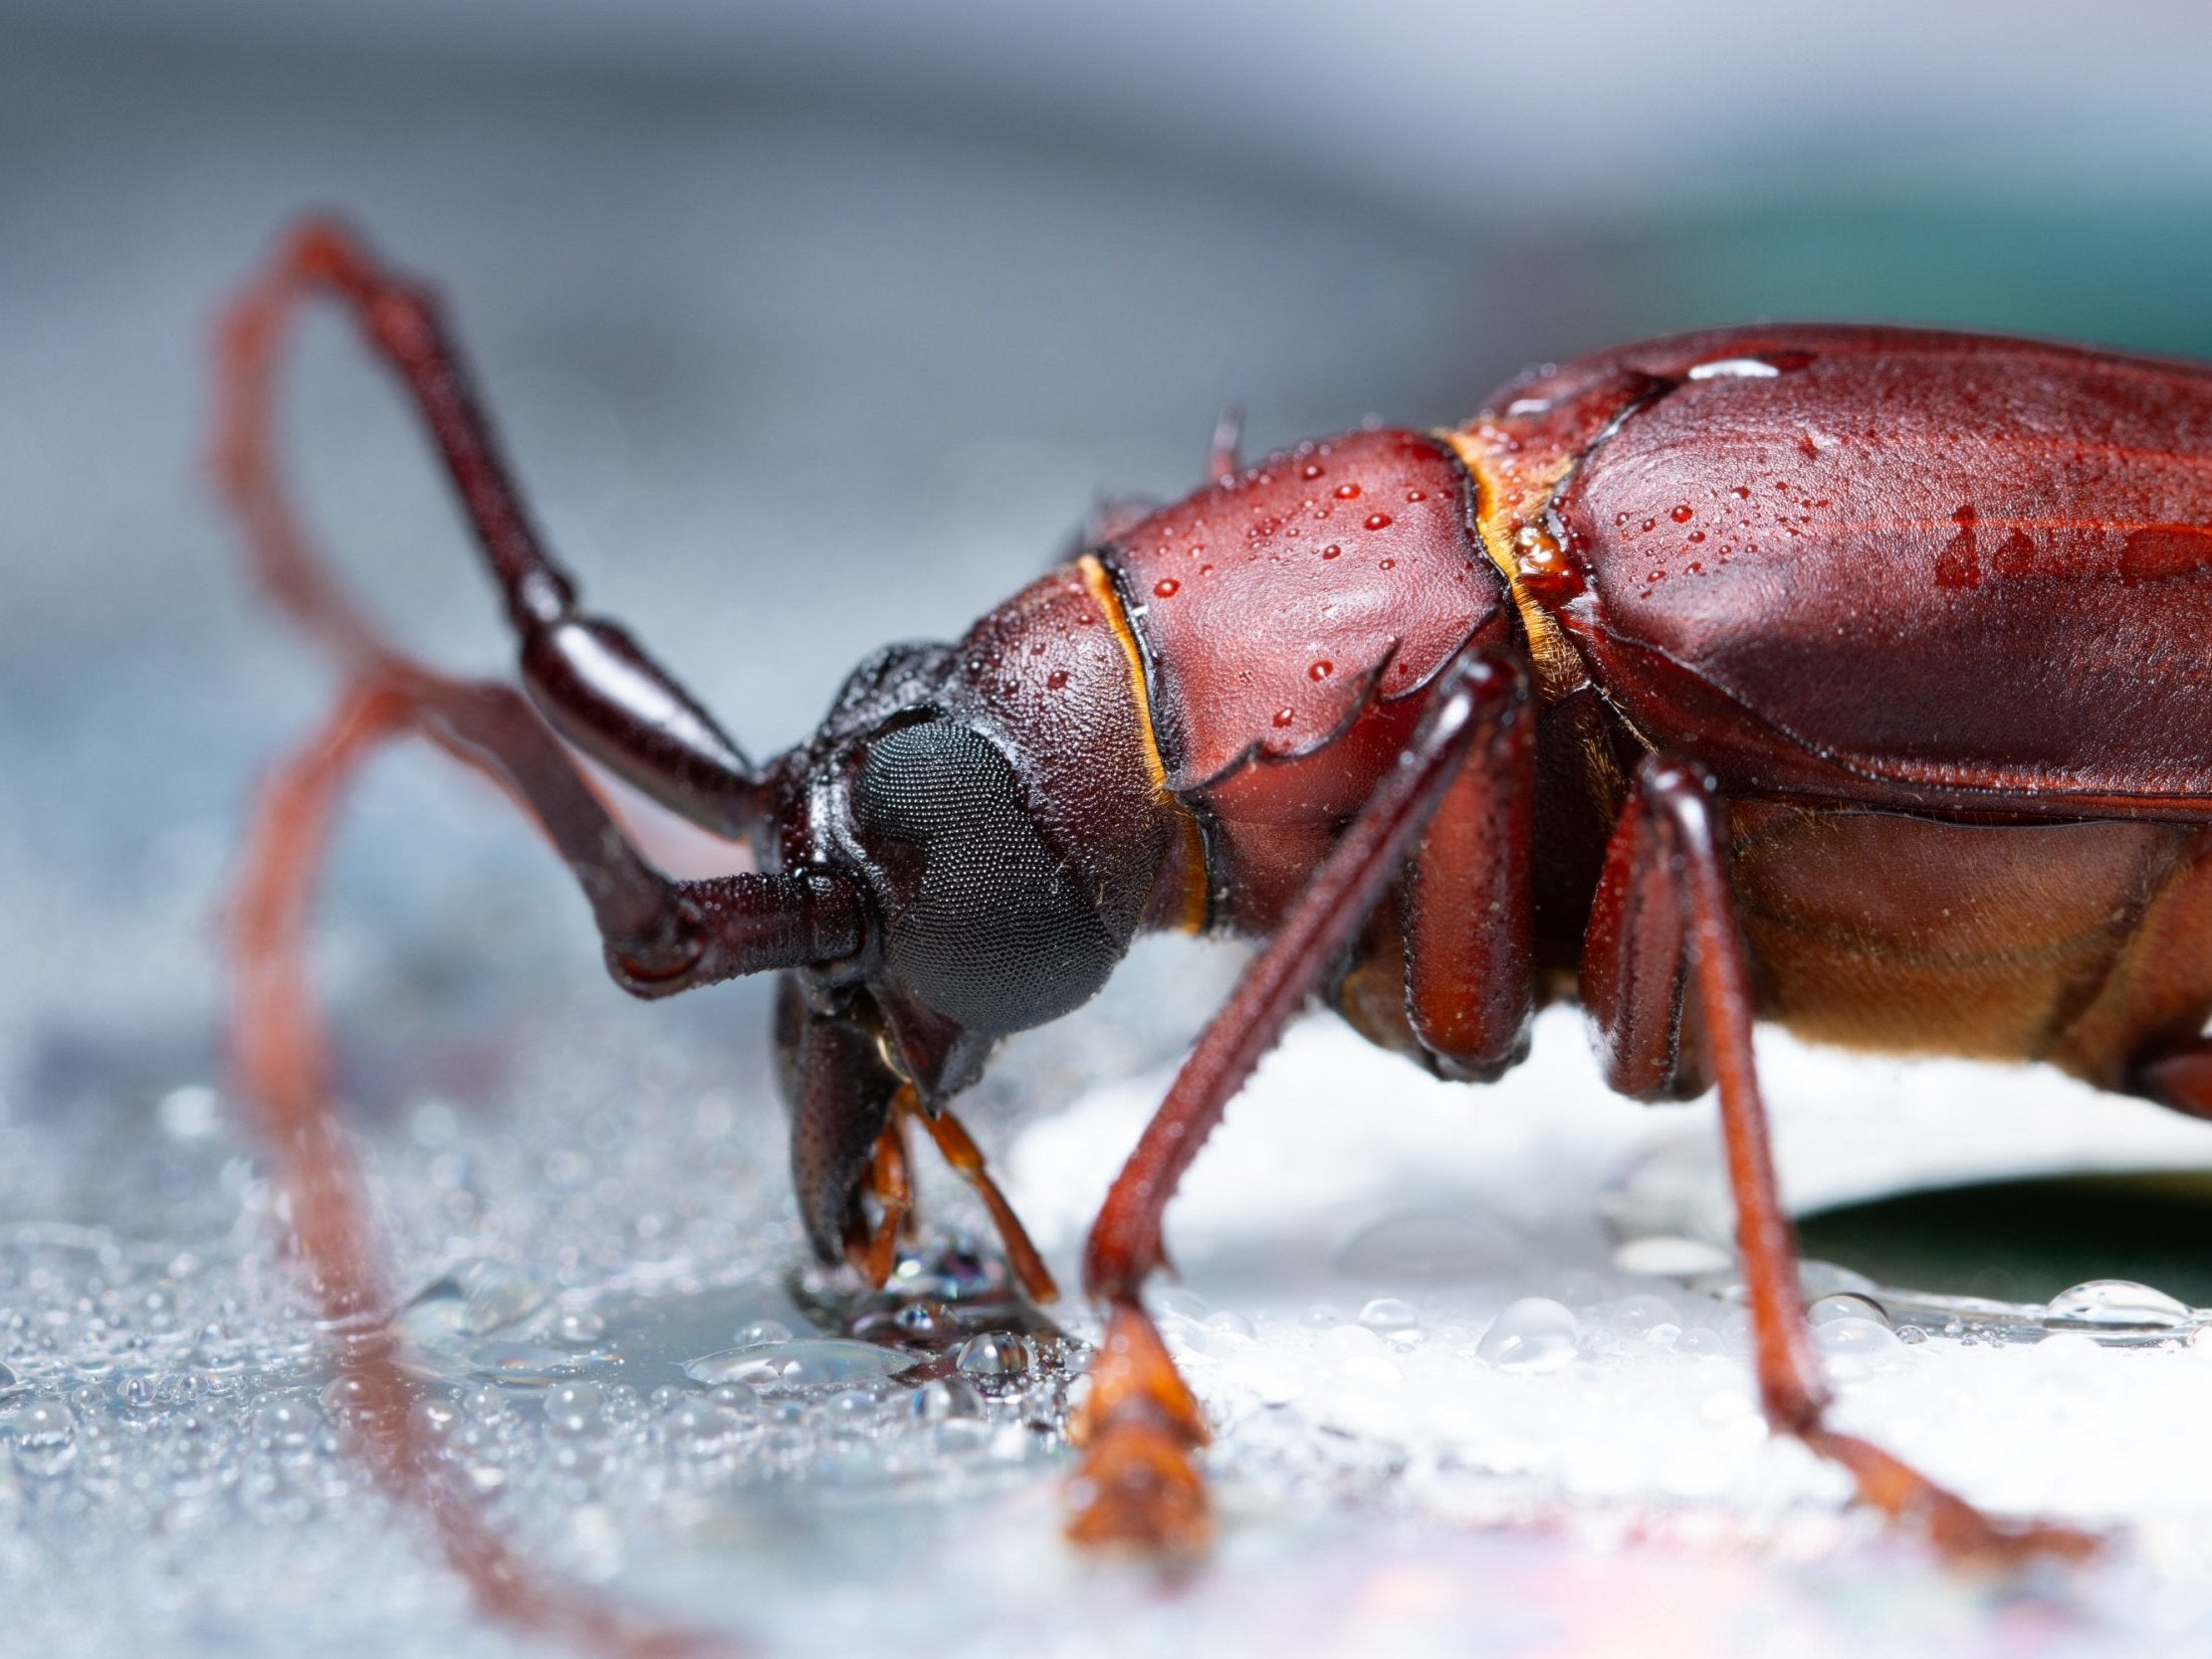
816,325
813,326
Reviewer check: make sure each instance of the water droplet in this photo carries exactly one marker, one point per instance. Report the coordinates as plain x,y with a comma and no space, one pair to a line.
574,1410
1388,1313
994,1354
578,1326
1055,680
1697,1340
1387,564
11,1385
944,1398
1332,551
1417,496
284,1426
1847,1305
45,1436
763,1333
1283,717
1534,1333
1312,469
1378,521
1849,1335
815,1362
474,1299
1347,491
1681,514
2116,1304
693,1427
436,1419
1167,588
1320,670
1648,523
1734,368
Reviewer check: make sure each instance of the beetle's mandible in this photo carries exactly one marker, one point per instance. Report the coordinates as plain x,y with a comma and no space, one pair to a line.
1847,677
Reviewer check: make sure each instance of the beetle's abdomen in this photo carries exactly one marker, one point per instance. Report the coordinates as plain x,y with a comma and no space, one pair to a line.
1910,567
1275,606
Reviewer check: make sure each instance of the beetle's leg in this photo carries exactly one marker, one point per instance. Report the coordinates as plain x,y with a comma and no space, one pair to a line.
284,1066
594,683
1670,852
874,1251
1137,1486
1469,915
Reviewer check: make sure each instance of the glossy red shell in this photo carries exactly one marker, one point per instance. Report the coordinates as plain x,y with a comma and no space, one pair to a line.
1274,607
1910,567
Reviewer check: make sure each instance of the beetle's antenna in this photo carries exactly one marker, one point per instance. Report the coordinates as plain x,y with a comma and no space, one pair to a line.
283,1064
595,685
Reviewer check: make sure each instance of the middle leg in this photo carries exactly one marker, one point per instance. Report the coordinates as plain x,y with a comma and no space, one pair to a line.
1659,1020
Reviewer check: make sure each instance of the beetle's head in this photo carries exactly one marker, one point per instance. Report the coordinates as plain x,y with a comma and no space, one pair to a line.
998,805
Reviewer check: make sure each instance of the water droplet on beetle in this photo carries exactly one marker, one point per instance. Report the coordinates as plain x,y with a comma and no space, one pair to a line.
1417,496
1378,521
1332,551
2116,1304
1682,515
1167,588
1312,469
1320,670
1055,680
1387,564
1347,491
1283,717
1734,368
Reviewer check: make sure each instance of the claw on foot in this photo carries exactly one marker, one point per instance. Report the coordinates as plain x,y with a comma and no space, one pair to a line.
1137,1489
1963,1533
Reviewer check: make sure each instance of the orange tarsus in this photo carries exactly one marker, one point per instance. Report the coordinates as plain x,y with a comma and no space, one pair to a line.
967,1159
1137,1488
875,1253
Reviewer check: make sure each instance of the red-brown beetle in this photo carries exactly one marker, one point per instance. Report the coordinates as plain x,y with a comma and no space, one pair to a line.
1849,677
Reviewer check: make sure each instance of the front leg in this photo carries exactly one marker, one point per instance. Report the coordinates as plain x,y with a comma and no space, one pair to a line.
1136,1486
1668,990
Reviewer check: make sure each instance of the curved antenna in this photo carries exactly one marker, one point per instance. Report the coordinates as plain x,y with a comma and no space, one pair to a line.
594,684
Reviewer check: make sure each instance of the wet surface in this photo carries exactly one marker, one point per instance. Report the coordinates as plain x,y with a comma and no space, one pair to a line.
1450,1418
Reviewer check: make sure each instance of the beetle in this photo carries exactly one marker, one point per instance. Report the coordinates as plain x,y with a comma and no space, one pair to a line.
1847,677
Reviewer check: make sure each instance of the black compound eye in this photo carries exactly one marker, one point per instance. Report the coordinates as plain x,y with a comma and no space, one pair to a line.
988,926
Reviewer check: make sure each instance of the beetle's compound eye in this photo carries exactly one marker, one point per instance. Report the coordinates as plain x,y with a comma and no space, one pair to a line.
983,922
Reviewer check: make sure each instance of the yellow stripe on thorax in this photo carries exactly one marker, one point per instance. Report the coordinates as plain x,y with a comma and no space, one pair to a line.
1192,906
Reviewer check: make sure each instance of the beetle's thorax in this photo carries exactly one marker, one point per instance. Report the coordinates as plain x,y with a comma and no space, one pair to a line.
1289,618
